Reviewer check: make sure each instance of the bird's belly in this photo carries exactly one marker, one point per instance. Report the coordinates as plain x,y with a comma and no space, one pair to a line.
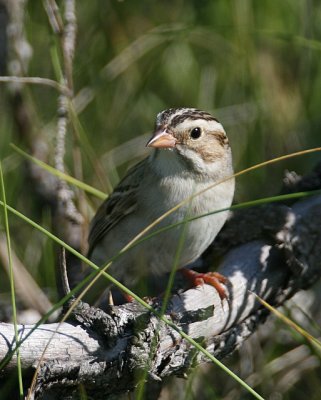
182,245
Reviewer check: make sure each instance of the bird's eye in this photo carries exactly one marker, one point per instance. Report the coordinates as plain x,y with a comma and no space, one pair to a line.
196,133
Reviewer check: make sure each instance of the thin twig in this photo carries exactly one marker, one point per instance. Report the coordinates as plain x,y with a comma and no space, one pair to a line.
54,16
63,271
69,40
37,81
65,195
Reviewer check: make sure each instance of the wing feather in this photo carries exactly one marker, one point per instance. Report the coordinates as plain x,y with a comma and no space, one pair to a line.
122,202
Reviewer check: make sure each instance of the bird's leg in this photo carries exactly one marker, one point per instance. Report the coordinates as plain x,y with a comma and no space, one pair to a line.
128,297
211,278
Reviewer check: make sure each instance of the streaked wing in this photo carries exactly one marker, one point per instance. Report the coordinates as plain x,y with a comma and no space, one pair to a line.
122,202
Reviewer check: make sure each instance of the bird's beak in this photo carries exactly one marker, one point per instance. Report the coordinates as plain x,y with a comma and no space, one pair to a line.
162,140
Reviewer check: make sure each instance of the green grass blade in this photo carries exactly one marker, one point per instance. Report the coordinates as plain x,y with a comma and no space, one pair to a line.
61,175
289,322
12,286
303,41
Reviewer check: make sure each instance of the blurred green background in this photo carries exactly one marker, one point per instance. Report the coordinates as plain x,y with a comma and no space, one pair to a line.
254,64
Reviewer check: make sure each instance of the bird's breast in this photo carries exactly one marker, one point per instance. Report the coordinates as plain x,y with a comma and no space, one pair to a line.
196,230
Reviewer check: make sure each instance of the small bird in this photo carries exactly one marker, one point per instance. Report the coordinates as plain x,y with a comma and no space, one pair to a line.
190,153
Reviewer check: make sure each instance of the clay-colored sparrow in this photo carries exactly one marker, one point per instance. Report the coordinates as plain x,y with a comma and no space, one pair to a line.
191,153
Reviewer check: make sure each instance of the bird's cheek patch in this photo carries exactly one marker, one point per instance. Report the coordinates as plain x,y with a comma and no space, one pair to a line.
221,138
